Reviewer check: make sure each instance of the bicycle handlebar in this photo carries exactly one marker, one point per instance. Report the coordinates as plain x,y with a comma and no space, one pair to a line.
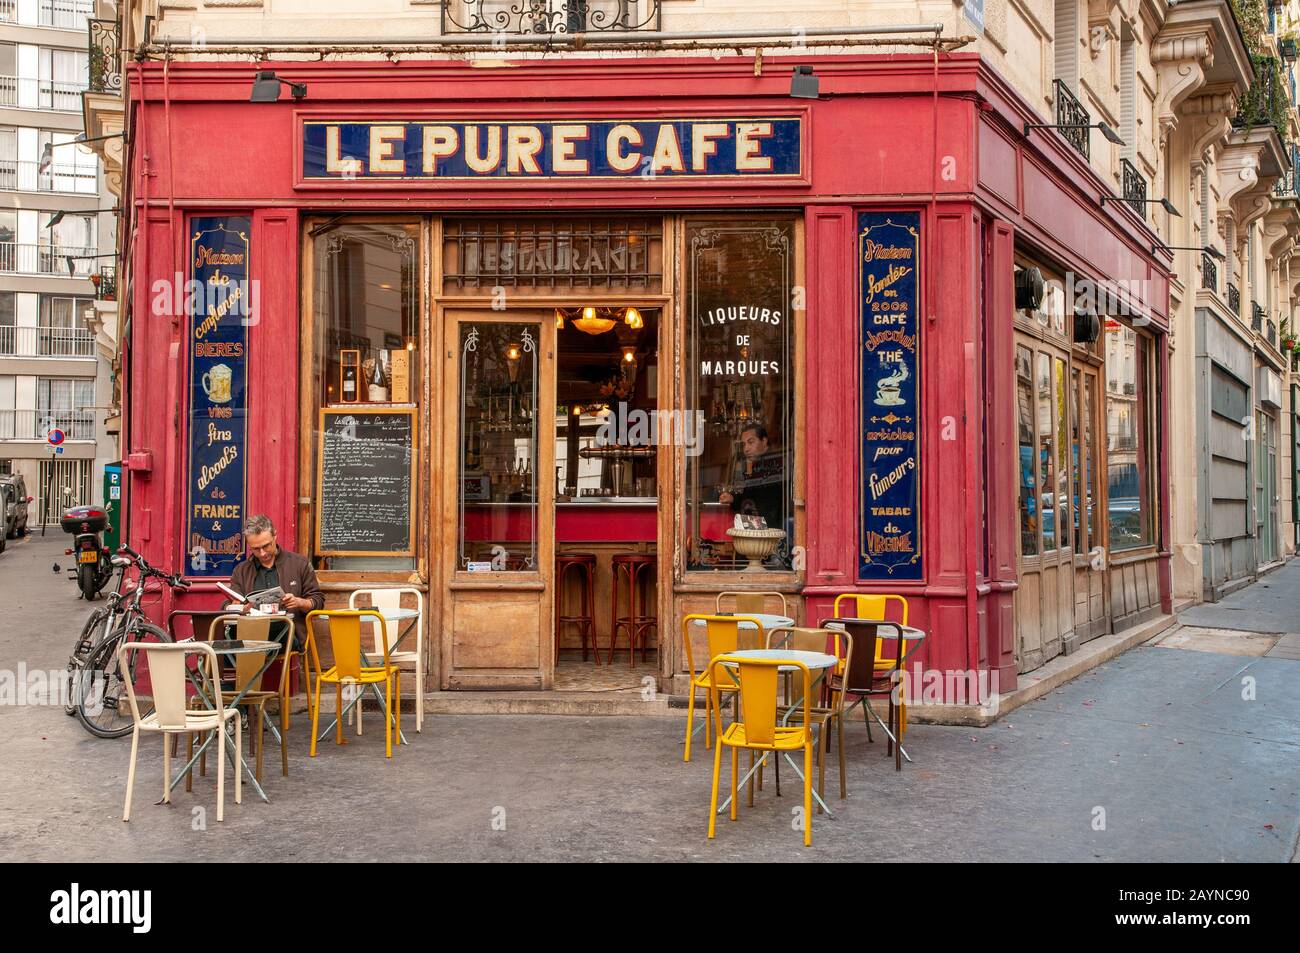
173,580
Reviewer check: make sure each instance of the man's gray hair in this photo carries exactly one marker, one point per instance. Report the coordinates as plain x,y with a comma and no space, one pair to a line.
259,524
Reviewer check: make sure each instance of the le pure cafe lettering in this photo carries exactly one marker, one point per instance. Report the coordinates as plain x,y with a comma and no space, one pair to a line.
674,148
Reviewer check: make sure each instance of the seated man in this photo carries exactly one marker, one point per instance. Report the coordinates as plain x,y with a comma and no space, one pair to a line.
268,566
758,484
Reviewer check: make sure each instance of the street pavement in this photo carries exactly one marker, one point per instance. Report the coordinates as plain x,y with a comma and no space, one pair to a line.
1162,754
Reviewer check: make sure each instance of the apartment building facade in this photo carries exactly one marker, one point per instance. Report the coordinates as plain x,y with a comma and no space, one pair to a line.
1128,260
53,376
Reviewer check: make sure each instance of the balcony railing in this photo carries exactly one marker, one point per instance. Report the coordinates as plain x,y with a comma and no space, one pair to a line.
1135,188
105,57
1077,120
25,176
105,284
8,11
554,17
1270,332
24,259
36,424
1256,316
1234,299
45,342
1285,187
66,14
1209,272
21,92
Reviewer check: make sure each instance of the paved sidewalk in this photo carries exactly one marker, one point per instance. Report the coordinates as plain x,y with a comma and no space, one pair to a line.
1159,739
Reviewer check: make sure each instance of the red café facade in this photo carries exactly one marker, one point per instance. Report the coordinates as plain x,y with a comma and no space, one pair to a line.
447,325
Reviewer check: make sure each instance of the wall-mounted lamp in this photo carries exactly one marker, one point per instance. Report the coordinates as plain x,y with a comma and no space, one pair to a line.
804,83
61,213
266,88
1167,205
47,154
1206,249
1110,134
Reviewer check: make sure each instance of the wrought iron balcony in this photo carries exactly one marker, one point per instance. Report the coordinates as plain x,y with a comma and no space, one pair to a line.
1270,332
1135,188
1209,272
554,17
1256,316
1070,113
105,57
1234,299
1285,187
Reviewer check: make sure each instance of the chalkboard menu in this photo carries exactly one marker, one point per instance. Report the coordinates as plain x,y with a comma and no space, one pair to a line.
365,476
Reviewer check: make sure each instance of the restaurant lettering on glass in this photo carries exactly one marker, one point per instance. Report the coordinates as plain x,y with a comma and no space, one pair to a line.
573,369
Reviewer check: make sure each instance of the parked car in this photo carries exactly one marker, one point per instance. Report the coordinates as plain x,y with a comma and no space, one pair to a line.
16,504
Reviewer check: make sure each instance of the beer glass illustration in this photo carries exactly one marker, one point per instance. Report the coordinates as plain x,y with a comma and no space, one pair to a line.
216,383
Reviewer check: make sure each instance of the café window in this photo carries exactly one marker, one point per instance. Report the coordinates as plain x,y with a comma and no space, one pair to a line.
1129,397
740,385
366,361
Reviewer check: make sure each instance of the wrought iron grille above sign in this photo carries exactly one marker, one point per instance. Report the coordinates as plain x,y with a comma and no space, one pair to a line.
554,17
537,254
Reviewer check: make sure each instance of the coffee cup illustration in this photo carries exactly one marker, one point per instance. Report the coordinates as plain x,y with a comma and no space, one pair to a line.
889,388
216,384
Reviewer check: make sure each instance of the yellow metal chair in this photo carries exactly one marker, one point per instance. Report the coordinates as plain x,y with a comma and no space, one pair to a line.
757,728
876,606
345,642
723,637
750,602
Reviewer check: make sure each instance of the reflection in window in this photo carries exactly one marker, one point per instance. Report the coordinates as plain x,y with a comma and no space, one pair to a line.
1127,389
740,360
1063,467
1046,450
498,447
1025,428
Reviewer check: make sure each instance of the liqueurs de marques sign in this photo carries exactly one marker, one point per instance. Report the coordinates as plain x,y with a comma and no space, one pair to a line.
459,150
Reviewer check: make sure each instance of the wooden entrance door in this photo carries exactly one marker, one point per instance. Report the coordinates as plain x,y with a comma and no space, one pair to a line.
498,514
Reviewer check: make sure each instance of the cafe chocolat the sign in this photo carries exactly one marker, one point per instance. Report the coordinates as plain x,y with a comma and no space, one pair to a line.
889,259
507,150
217,342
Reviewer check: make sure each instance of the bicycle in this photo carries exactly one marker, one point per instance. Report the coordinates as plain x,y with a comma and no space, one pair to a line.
100,693
97,628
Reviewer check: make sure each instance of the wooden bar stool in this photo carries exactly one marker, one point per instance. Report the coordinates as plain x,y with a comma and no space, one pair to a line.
585,619
634,567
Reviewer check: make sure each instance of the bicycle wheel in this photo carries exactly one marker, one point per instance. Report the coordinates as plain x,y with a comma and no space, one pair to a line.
92,633
102,705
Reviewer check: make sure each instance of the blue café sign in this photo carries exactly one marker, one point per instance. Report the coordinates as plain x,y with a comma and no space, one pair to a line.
217,336
889,260
503,151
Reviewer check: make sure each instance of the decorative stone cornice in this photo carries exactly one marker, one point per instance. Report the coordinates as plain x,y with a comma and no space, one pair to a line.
1251,162
1281,228
1207,118
1180,61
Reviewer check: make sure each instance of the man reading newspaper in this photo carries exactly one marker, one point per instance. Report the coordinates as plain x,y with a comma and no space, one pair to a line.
268,567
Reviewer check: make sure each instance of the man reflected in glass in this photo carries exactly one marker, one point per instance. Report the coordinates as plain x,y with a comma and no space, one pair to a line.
758,479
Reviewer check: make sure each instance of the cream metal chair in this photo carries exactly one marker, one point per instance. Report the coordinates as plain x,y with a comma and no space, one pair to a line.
167,679
748,603
385,600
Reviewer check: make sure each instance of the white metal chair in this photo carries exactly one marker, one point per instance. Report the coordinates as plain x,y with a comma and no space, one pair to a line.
385,600
167,679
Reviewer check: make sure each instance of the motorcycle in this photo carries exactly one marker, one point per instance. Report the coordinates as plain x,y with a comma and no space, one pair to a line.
94,563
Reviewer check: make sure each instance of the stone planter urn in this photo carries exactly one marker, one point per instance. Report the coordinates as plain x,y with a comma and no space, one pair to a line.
756,545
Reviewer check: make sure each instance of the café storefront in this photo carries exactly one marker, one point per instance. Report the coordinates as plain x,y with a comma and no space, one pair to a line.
456,348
